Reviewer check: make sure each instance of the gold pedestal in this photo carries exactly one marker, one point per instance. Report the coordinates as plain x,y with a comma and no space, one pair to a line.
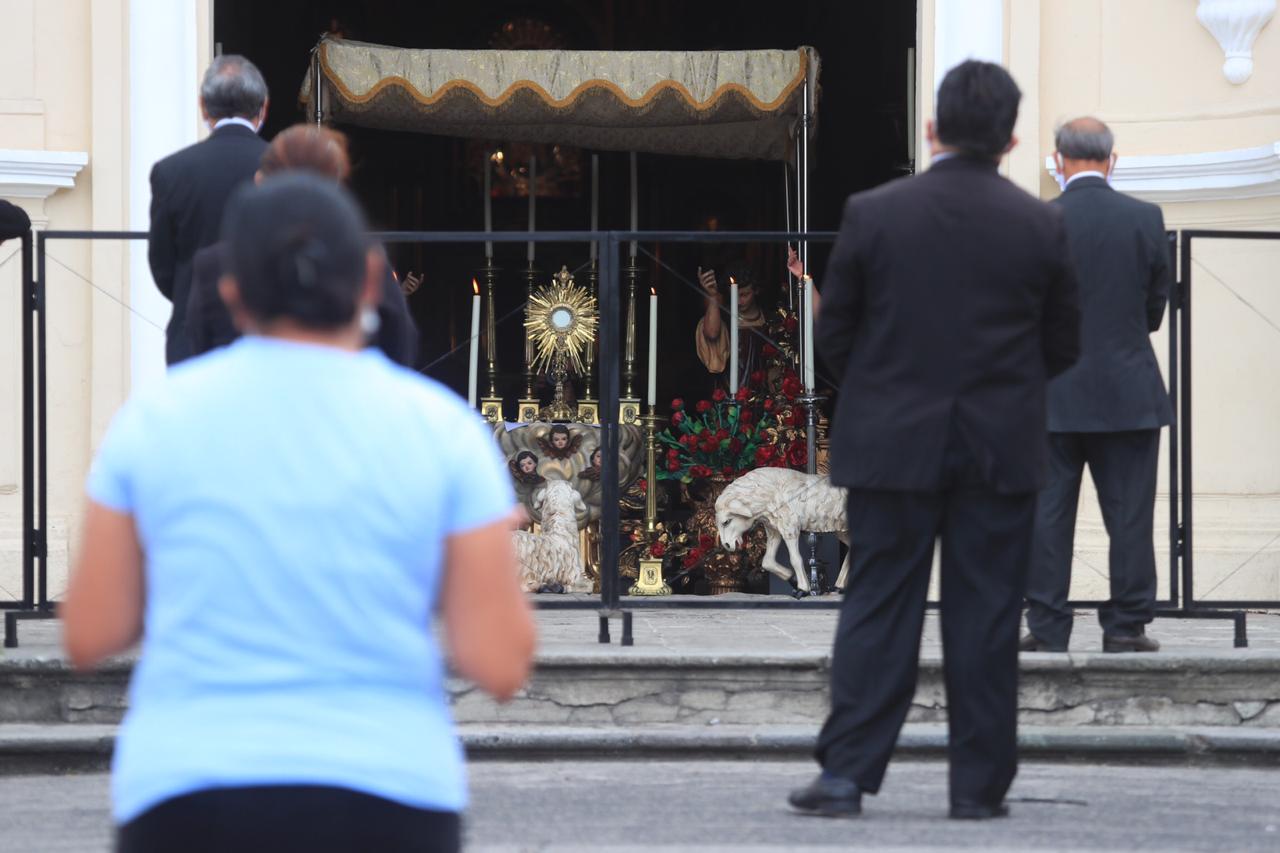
491,409
650,581
528,410
629,410
589,411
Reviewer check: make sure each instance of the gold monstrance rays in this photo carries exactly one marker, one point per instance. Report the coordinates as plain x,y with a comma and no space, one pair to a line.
561,319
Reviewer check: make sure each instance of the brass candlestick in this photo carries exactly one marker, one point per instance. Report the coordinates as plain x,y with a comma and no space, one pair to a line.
491,404
529,403
588,405
629,404
650,581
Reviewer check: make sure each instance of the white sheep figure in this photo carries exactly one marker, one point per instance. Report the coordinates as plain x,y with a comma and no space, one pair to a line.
551,558
785,502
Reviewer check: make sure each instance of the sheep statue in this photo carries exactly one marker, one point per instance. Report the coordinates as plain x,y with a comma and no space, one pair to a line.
785,502
550,560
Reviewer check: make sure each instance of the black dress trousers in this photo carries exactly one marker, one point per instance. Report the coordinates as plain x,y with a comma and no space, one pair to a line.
985,543
1124,467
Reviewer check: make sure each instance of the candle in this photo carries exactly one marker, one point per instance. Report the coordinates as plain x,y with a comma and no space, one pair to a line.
595,201
473,364
635,206
533,200
653,348
806,327
733,336
488,206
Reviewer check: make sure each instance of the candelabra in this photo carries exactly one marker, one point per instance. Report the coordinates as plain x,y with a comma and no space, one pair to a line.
491,404
650,581
529,403
629,404
588,405
810,401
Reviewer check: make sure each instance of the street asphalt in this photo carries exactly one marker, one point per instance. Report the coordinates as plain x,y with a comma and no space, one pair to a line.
617,806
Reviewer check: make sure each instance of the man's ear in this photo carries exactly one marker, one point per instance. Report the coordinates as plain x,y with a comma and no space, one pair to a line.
375,268
229,291
262,114
1013,143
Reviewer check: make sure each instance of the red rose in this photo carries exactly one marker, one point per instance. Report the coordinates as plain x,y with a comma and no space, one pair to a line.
657,549
798,454
797,417
692,558
735,445
792,387
769,350
763,455
747,416
726,471
744,394
757,377
791,324
677,419
677,404
718,395
673,464
769,405
705,543
704,406
722,434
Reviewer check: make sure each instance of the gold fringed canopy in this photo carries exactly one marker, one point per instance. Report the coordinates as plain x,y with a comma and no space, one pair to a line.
732,104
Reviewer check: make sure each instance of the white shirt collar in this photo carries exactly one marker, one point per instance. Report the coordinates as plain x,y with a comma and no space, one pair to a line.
1089,174
244,122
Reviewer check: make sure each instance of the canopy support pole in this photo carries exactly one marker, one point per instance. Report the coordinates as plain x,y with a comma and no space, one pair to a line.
317,83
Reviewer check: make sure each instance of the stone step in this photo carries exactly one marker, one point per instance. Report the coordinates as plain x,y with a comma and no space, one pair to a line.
628,688
43,748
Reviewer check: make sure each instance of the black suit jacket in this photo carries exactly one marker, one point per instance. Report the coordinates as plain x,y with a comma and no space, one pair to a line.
209,324
948,302
189,190
1122,262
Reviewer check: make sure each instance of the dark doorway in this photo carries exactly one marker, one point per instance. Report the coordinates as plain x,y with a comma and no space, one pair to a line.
411,181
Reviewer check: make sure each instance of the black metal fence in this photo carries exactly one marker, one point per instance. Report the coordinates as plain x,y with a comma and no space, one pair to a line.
35,603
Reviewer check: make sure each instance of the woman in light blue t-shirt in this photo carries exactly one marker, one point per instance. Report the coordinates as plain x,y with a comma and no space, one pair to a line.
279,522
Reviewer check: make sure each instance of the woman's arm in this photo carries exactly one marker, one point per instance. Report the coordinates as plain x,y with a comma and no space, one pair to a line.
102,611
488,621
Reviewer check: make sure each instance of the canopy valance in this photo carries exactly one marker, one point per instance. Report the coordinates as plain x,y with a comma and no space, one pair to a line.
733,104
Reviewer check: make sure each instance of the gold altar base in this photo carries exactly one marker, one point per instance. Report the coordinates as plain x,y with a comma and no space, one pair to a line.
491,409
650,581
528,410
629,410
589,411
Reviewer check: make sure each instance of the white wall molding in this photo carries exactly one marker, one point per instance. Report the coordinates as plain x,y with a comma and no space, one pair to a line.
1240,173
1236,24
966,29
38,174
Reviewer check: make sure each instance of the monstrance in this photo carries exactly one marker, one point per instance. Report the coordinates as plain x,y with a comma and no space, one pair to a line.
561,319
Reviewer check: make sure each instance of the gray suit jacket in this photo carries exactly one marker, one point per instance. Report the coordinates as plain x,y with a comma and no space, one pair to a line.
1122,265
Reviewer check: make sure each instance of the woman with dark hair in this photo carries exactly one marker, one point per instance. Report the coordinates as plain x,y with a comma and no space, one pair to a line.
323,152
258,521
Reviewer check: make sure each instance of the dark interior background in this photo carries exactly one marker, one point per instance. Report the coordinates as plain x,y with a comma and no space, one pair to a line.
413,181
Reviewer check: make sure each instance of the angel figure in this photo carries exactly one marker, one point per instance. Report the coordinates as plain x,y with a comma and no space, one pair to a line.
559,443
524,468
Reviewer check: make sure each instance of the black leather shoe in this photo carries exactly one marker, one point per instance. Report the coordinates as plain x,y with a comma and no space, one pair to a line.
1032,643
828,797
1117,643
978,811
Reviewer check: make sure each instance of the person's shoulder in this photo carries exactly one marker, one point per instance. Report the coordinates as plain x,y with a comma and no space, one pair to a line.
210,261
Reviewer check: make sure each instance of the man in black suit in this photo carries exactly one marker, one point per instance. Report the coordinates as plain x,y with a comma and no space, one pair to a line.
1106,411
948,303
190,188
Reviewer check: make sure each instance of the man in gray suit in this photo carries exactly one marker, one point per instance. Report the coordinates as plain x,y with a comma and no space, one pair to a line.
1106,411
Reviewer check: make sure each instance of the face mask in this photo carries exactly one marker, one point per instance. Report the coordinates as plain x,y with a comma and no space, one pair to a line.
1111,170
1058,172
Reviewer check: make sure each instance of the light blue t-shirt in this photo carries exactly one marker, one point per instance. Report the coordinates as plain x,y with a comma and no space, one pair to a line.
293,502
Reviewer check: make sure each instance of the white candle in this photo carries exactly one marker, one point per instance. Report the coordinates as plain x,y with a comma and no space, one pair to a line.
733,336
533,200
806,326
653,348
488,206
595,201
473,364
635,204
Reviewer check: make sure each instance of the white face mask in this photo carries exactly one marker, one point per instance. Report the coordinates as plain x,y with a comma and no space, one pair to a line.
1058,171
1111,170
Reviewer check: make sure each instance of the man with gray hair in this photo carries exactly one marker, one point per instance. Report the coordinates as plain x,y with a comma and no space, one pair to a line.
1106,411
190,188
